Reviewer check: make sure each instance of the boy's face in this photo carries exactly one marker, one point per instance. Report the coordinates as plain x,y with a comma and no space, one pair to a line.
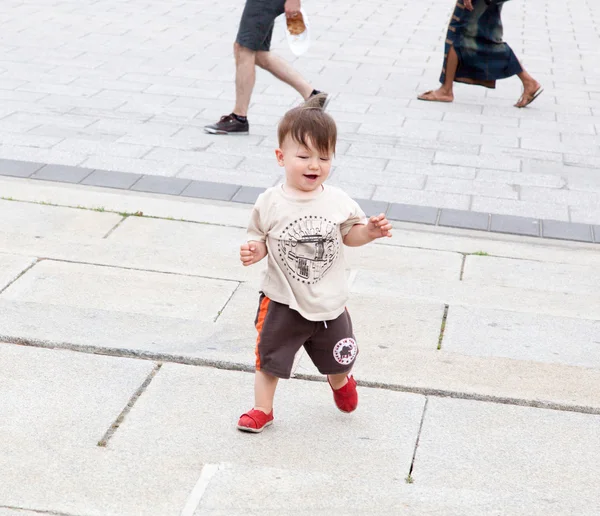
305,167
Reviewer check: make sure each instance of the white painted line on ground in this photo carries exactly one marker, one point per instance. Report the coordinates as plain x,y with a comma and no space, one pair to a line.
208,471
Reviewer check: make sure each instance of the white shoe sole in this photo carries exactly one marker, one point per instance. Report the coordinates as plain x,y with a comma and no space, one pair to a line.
216,131
254,430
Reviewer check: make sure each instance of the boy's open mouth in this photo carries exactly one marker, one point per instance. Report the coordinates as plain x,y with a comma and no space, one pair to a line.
312,177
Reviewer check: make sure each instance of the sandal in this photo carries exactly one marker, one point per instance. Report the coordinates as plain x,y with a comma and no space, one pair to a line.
529,98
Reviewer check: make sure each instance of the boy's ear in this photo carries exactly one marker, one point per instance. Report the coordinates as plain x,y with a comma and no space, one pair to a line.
279,155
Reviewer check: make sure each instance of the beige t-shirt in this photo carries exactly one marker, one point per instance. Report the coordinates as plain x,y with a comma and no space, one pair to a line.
306,267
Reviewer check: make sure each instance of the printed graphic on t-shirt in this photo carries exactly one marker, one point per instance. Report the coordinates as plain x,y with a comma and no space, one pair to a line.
308,247
345,351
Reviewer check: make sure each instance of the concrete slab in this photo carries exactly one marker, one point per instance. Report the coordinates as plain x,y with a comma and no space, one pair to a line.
308,432
57,399
127,201
180,258
529,454
483,332
121,290
43,221
215,247
400,263
229,492
11,266
94,481
547,277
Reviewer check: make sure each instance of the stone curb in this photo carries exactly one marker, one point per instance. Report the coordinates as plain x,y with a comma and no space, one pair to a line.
463,219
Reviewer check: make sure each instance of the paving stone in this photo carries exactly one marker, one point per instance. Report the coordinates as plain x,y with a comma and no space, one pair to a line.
510,450
464,219
62,173
9,167
520,208
247,194
515,225
11,267
567,230
118,290
422,198
160,413
372,207
411,213
484,332
531,275
61,397
209,190
111,179
41,221
163,185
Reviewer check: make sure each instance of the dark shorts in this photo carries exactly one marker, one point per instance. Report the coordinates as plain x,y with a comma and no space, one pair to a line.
256,25
283,331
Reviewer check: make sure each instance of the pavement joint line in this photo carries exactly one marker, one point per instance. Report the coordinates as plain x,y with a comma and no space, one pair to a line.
227,302
38,511
206,475
414,456
245,368
252,198
22,273
122,267
443,326
121,417
462,266
111,230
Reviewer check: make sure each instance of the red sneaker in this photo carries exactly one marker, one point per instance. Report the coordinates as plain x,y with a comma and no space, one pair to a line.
255,421
346,397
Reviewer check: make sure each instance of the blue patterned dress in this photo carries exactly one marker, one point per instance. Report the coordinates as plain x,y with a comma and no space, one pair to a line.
477,39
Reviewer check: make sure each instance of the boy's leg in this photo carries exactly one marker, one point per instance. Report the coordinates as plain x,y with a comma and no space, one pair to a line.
337,381
281,333
333,350
284,72
264,391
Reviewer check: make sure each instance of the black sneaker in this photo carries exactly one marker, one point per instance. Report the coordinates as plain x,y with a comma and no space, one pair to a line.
228,124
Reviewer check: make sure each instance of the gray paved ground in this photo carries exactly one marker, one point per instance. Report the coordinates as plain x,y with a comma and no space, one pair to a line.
127,86
126,341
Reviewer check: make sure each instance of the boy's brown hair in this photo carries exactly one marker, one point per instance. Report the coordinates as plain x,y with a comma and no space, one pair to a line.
309,122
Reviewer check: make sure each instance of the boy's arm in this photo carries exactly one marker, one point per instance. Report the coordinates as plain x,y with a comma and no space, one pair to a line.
361,234
255,249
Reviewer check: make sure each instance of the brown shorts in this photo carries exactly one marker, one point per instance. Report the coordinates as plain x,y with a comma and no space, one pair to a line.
283,331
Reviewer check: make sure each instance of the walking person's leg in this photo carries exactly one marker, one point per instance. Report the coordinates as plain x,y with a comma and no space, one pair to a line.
284,72
532,89
245,77
252,47
445,93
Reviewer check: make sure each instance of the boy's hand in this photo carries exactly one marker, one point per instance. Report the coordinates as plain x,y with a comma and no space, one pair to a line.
378,227
252,252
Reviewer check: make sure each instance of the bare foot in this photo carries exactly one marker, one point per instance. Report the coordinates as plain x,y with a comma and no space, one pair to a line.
531,92
438,95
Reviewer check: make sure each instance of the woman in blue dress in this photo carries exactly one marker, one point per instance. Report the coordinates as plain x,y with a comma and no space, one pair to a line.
475,53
